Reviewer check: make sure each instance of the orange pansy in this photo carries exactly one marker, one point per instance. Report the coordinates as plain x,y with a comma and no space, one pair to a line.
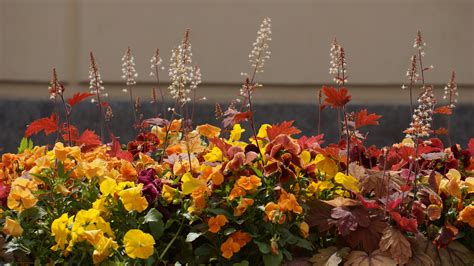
215,223
229,247
242,207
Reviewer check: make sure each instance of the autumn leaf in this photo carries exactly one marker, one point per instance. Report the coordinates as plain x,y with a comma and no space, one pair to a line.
222,145
319,214
331,256
78,97
311,142
116,151
232,116
368,237
89,138
336,98
365,119
444,110
376,258
285,128
454,254
46,124
394,242
441,131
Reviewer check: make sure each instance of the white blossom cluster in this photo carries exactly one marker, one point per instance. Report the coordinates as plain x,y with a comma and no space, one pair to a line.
55,89
195,77
412,72
95,80
128,69
156,62
419,43
451,91
338,64
180,71
422,115
261,48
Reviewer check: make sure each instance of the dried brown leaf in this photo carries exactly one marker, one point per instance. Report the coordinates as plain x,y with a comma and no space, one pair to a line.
396,243
330,256
376,258
454,254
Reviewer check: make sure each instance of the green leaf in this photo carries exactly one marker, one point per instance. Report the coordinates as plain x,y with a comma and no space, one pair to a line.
203,250
221,211
157,229
242,263
262,246
303,243
153,215
257,171
229,231
193,236
25,144
271,260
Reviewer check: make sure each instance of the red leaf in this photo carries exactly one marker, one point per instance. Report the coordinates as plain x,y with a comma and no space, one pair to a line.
470,146
117,151
242,116
368,204
336,98
285,128
104,104
46,124
444,110
74,133
311,142
89,138
407,224
79,97
223,146
364,119
394,204
441,131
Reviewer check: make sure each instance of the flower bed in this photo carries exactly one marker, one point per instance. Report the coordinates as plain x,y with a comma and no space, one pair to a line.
180,193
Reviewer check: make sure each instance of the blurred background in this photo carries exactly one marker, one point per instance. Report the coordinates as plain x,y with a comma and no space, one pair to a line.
377,35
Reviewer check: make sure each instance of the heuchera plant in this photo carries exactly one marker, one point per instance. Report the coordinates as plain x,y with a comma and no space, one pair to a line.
185,194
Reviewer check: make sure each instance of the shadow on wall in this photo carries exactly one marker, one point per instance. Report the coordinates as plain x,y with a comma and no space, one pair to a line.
15,115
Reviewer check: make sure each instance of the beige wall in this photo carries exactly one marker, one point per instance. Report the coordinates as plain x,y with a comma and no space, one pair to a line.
377,35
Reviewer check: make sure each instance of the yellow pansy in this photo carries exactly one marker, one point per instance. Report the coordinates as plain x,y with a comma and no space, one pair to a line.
169,193
318,187
96,168
60,231
90,220
214,155
12,227
347,181
326,165
132,199
108,186
138,244
208,131
103,248
41,164
236,133
189,183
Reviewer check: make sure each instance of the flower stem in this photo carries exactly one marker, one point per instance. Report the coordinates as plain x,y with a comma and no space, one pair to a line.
172,240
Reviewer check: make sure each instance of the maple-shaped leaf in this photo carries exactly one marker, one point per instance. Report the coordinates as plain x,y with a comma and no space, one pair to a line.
285,128
364,119
232,116
46,124
78,97
348,220
319,214
70,131
376,258
454,254
89,138
441,131
395,242
444,110
336,98
368,204
116,150
368,237
311,142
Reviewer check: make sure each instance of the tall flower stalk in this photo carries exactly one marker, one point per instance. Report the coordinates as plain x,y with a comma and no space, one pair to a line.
258,56
413,77
451,94
129,74
156,66
56,90
96,87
